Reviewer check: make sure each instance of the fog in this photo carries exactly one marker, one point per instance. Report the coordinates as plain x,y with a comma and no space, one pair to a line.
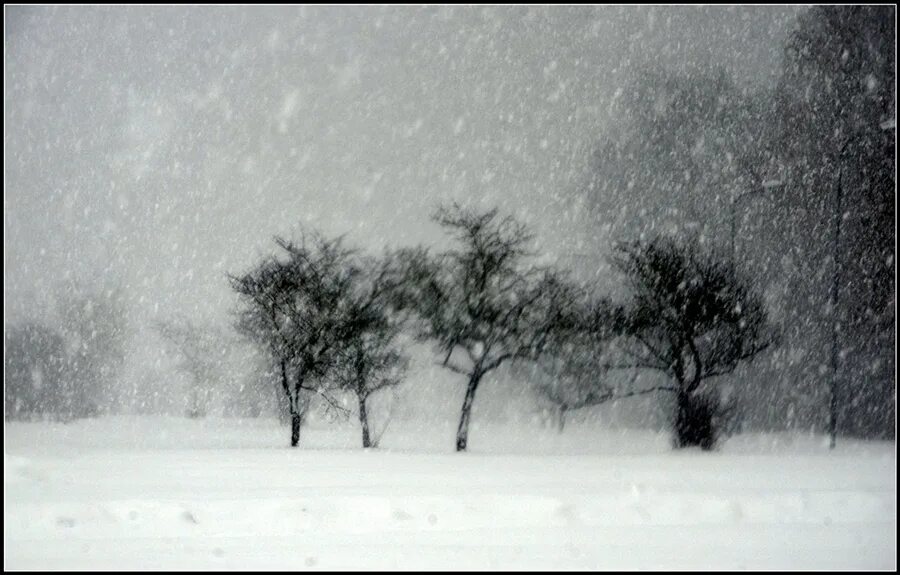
161,147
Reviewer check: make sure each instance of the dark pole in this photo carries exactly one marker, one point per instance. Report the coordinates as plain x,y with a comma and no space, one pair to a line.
836,280
733,227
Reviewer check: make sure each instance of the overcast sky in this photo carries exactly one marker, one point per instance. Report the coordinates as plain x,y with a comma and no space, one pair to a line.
161,147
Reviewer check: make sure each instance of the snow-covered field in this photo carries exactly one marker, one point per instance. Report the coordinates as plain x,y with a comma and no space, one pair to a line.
153,492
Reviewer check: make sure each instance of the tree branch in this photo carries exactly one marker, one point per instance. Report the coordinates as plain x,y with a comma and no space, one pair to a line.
645,391
453,368
330,400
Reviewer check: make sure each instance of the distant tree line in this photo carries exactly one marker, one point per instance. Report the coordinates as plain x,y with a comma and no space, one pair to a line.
71,366
221,374
69,372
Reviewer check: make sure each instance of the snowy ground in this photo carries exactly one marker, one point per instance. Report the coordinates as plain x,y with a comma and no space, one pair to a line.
151,492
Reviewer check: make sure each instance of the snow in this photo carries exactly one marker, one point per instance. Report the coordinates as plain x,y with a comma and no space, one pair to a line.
142,492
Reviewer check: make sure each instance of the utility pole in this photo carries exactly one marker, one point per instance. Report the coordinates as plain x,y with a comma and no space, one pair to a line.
835,293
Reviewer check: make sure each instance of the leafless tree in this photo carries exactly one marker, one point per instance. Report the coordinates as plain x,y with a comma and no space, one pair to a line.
297,309
202,353
370,359
93,321
580,365
693,317
480,304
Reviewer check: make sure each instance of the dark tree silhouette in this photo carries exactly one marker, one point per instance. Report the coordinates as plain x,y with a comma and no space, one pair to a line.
297,309
480,304
370,359
693,318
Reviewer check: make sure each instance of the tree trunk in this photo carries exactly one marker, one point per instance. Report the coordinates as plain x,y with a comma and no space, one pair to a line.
194,410
295,427
284,414
284,381
364,422
292,403
694,425
682,417
462,433
562,417
683,412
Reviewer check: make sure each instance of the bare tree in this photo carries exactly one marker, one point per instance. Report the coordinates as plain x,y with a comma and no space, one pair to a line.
480,305
94,324
202,351
296,308
370,359
570,381
577,369
693,317
371,363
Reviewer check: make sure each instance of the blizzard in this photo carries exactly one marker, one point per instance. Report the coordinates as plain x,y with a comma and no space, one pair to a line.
151,492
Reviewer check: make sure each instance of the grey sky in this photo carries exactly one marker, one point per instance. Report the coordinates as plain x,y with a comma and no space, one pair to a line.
162,147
